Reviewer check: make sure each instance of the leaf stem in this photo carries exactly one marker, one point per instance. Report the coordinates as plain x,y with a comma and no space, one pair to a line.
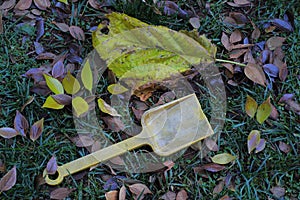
231,62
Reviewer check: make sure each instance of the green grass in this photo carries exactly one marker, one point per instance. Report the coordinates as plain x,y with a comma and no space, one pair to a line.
253,175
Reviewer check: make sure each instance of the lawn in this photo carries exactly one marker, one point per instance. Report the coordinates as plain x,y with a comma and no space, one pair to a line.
272,173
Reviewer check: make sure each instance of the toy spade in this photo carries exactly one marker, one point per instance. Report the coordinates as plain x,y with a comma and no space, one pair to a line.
167,129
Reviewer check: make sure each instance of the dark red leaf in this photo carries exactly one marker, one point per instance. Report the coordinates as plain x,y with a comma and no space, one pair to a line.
213,167
52,166
8,180
20,123
225,42
236,36
62,99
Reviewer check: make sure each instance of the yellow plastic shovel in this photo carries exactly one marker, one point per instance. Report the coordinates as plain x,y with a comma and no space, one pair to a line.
167,129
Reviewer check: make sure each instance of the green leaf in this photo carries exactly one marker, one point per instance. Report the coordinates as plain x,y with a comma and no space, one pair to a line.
87,76
104,107
51,103
116,89
80,106
71,84
54,84
253,140
223,158
264,111
250,106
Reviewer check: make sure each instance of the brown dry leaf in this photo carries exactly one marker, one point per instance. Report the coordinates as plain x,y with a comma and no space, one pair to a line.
211,144
219,187
114,123
52,165
195,22
237,53
239,3
122,193
139,190
236,36
284,147
169,164
137,113
166,97
58,68
29,101
95,4
42,4
2,166
239,18
255,74
225,197
274,113
8,180
61,193
274,42
7,5
36,129
62,99
1,22
117,161
213,167
112,195
169,196
293,106
20,123
62,26
8,133
278,191
83,141
255,34
229,67
182,195
225,42
241,46
23,4
77,33
46,56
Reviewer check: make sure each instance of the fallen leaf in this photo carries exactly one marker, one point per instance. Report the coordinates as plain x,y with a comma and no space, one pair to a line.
114,123
80,106
169,196
236,36
7,5
211,144
2,166
255,34
87,76
20,124
52,166
106,108
274,42
137,113
61,193
95,4
169,164
293,106
225,42
239,18
242,2
42,4
23,4
253,140
83,141
40,27
122,193
38,48
263,111
286,97
223,158
271,70
171,8
54,84
195,22
36,129
139,189
62,26
283,25
250,106
51,103
111,195
46,56
278,191
70,84
255,74
213,167
182,195
29,101
274,113
237,53
8,133
260,146
77,32
8,180
225,197
58,69
166,97
284,147
64,1
62,99
265,55
218,188
116,89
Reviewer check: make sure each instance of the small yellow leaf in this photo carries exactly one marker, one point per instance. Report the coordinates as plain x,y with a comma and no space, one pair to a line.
87,76
64,1
106,108
250,106
264,111
223,158
80,106
54,84
116,89
71,84
51,103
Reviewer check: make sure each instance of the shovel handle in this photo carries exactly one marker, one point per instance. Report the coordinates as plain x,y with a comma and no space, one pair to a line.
94,159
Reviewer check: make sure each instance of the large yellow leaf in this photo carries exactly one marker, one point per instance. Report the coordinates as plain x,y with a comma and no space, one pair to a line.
54,84
51,103
71,84
87,76
250,106
264,111
223,158
116,89
80,106
106,108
